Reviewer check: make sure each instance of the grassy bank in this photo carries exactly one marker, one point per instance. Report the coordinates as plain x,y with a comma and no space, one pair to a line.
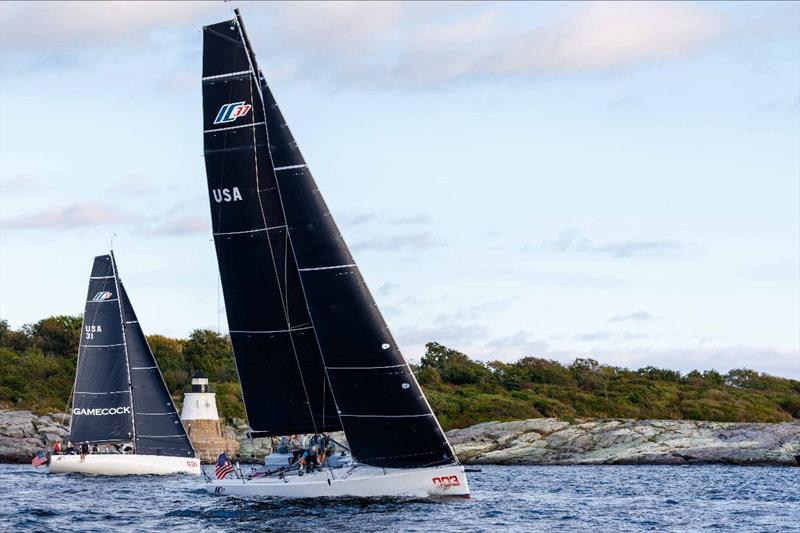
37,369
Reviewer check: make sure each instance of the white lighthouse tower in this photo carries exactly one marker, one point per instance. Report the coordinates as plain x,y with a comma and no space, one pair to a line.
200,404
202,422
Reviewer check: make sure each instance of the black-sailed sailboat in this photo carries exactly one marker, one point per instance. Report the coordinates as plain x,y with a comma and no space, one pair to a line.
120,402
312,350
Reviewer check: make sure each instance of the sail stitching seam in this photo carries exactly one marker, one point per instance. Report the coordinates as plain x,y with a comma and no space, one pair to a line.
229,74
326,268
235,127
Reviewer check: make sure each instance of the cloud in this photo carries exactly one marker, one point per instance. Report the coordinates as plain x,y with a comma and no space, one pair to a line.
607,335
636,316
519,343
779,362
356,219
419,218
185,225
383,44
135,185
71,217
412,241
68,26
392,44
387,288
21,183
611,35
572,240
631,248
477,311
443,334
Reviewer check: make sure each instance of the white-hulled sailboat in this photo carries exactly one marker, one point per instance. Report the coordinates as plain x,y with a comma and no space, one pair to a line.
313,352
119,400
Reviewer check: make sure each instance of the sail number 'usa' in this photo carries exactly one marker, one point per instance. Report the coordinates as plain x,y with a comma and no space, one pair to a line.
227,195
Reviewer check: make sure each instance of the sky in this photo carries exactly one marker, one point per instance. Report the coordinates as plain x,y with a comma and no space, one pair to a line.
618,181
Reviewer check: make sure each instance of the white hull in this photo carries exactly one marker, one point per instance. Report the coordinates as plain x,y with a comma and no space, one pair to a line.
122,464
363,481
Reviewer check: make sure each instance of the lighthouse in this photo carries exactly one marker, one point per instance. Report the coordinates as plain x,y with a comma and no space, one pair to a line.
203,425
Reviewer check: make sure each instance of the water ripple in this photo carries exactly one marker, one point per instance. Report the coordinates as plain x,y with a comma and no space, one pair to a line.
578,498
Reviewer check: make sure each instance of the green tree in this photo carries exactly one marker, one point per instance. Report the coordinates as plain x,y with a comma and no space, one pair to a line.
212,354
57,335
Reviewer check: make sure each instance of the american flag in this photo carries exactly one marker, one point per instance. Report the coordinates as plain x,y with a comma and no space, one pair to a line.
39,459
223,467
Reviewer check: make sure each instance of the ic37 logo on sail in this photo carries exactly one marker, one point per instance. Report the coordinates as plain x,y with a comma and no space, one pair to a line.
230,112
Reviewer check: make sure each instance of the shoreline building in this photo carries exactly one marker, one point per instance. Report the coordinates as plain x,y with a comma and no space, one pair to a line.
203,425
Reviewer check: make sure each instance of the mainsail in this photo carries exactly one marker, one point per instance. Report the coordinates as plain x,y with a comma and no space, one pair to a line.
303,323
119,393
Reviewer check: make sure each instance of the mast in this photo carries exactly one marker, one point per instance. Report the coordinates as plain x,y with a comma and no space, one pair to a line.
125,345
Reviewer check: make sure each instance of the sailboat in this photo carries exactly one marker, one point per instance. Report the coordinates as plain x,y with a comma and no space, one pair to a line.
313,352
120,401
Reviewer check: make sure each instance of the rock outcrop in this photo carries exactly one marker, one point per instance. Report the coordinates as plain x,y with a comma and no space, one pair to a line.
542,441
547,441
22,433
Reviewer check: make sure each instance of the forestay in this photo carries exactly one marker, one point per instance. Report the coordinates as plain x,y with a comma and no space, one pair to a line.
284,265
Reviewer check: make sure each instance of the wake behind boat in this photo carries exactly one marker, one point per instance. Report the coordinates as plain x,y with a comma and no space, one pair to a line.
120,403
312,350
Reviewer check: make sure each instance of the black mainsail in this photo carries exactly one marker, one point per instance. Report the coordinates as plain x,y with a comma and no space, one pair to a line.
119,394
312,349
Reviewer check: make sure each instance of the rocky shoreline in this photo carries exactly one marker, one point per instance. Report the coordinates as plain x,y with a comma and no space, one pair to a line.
548,441
538,441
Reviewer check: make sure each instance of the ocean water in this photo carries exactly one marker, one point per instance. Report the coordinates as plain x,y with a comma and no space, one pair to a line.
522,498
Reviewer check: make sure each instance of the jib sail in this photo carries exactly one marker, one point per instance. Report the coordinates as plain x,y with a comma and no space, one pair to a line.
379,404
159,430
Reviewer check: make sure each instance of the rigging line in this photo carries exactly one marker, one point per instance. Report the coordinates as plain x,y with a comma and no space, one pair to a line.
263,215
294,255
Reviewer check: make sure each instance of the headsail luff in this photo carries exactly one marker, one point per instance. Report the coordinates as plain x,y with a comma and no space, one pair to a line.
382,409
102,409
